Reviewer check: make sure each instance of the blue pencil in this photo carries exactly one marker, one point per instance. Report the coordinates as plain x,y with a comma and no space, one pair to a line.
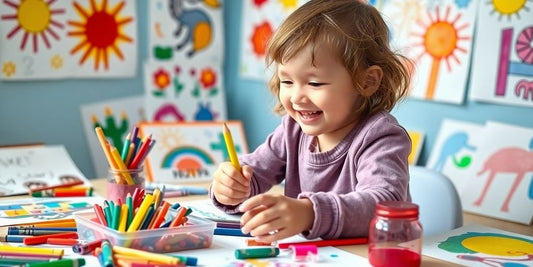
230,232
14,239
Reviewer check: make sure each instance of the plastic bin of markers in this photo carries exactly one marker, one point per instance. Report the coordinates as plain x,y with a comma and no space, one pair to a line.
196,233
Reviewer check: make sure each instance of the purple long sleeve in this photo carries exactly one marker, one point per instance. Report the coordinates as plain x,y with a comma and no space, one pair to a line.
344,184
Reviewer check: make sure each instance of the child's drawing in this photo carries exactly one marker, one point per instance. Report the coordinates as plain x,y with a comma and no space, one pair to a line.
182,30
116,117
454,150
438,38
189,151
61,39
501,176
187,91
502,69
476,245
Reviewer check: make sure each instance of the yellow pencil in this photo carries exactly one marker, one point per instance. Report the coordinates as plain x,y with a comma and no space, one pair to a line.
157,197
152,257
123,218
121,166
33,250
231,148
141,213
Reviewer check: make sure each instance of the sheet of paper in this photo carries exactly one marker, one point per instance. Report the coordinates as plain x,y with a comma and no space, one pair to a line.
23,168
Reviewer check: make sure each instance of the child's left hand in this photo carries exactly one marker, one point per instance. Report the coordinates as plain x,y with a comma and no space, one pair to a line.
273,217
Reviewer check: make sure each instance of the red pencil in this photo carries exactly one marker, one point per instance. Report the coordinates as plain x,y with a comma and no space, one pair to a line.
325,243
137,159
100,214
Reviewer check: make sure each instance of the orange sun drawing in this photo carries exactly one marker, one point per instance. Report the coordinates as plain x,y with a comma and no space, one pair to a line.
34,17
100,30
440,41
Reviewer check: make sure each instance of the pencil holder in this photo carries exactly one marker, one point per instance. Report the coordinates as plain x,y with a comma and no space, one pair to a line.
122,182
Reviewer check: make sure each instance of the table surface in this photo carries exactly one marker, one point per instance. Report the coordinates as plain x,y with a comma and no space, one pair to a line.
361,250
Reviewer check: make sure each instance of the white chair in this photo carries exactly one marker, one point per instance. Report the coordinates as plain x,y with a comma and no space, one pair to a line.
439,204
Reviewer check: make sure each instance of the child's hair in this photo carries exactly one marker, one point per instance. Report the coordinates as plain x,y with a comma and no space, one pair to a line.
357,34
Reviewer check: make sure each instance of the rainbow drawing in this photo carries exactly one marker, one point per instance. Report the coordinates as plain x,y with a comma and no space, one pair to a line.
187,158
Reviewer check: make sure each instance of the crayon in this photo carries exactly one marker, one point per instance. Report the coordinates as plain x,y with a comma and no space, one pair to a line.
77,191
230,232
231,147
59,263
255,253
87,248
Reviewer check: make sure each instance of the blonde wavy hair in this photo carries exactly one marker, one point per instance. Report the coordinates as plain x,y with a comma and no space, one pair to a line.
357,34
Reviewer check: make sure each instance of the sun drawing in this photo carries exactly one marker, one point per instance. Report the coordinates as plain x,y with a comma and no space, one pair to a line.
100,31
34,19
440,41
508,8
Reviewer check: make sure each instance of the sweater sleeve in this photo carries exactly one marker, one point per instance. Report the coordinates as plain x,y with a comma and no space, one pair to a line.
381,173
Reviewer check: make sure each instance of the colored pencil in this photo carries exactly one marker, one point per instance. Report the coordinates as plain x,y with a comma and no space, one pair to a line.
69,184
155,257
33,250
36,240
141,213
121,166
100,214
140,154
230,232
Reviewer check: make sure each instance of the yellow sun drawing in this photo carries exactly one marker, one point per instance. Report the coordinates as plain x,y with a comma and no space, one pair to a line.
171,138
100,31
9,69
34,18
508,8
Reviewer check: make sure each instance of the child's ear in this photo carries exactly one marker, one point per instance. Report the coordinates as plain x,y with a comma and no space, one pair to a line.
372,80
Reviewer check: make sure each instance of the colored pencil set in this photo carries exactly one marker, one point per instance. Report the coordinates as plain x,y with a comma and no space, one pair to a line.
140,212
74,188
112,255
132,156
57,232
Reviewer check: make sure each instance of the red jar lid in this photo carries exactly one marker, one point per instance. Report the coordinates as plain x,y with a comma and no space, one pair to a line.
397,209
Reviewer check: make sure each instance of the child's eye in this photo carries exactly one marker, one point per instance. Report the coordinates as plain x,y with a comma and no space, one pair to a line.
315,84
286,82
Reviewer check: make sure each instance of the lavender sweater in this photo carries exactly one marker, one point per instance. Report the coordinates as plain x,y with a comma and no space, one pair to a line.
345,183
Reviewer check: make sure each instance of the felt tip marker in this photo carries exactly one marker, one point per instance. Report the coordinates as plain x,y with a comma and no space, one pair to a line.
230,232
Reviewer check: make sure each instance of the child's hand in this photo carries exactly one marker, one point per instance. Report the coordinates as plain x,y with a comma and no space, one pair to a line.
230,186
273,217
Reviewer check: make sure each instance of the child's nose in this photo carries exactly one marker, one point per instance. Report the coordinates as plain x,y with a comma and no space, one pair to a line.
298,95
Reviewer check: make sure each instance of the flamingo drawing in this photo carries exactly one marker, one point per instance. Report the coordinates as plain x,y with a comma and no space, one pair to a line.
506,160
196,22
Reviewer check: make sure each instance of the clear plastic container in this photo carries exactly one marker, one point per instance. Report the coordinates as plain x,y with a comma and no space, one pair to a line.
196,233
395,236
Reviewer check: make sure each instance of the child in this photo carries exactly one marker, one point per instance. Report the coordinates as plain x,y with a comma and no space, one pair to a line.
338,148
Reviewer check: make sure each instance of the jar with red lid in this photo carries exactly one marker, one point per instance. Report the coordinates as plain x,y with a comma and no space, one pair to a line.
395,235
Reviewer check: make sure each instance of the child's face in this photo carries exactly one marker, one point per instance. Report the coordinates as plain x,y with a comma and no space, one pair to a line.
321,98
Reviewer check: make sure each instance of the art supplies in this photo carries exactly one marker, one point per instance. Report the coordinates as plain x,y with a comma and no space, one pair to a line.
231,147
230,232
255,253
75,191
328,242
51,252
59,263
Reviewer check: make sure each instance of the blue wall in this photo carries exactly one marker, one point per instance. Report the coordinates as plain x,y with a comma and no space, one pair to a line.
48,111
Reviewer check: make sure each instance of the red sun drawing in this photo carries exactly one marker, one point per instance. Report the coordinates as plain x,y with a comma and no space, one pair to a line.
100,31
34,19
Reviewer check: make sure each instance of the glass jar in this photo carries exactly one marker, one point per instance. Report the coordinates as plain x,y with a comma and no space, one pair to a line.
395,235
120,183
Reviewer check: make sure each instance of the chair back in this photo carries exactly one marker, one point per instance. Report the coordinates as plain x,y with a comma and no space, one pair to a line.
438,201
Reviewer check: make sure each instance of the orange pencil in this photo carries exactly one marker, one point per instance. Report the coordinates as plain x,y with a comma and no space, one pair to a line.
160,215
69,184
177,220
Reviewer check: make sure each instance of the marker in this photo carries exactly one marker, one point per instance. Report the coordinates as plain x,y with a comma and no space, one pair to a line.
230,232
232,225
326,243
255,253
41,239
39,231
107,253
55,252
86,248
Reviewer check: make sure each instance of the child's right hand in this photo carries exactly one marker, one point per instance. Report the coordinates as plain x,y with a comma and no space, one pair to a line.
231,187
